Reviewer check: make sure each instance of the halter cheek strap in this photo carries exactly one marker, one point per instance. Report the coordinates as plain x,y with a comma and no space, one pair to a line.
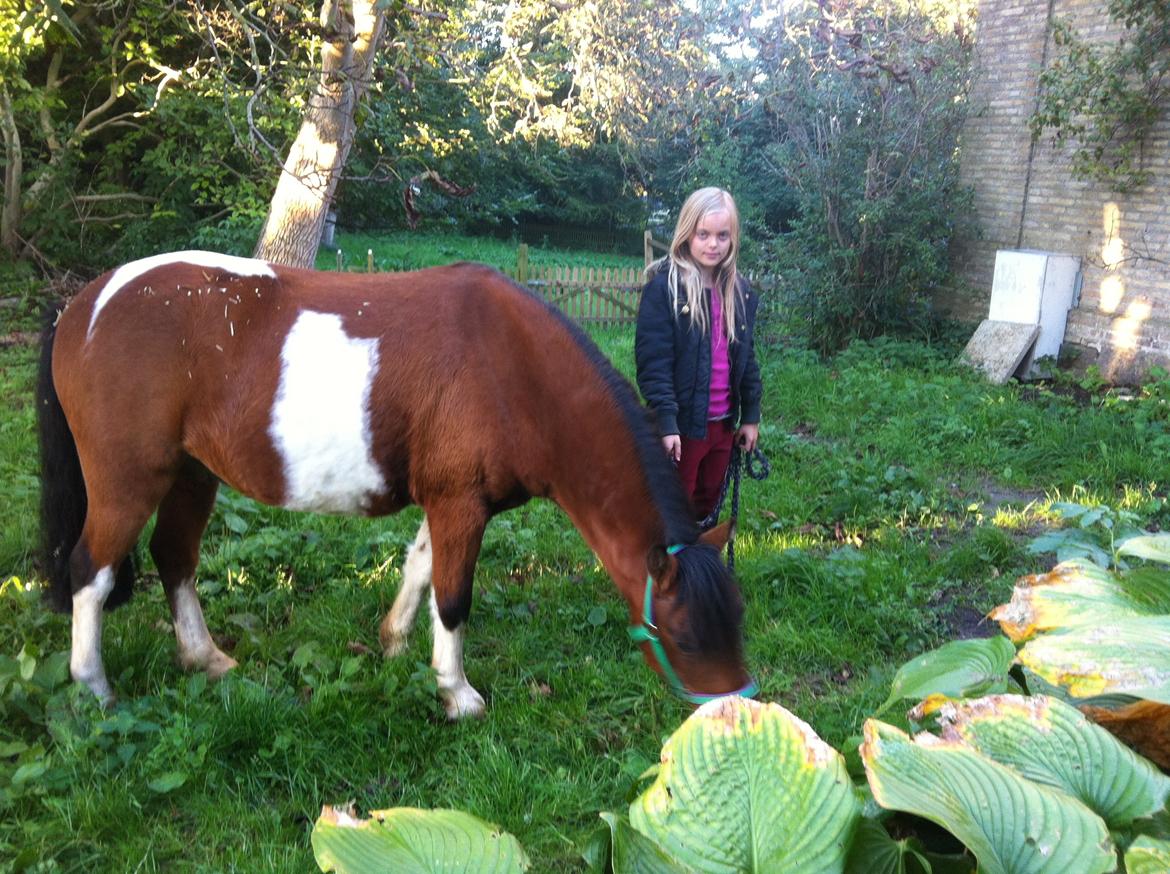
647,632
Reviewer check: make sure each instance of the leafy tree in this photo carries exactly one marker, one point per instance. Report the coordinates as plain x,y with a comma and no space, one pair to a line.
865,102
74,78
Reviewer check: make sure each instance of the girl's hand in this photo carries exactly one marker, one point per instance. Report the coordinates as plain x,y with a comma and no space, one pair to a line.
747,437
672,443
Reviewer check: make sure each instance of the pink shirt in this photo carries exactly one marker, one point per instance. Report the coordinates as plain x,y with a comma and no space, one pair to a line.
719,405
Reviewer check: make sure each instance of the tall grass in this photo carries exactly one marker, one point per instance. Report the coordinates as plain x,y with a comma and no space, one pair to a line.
903,493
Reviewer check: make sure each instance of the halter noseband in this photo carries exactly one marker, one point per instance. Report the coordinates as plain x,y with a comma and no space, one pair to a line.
646,632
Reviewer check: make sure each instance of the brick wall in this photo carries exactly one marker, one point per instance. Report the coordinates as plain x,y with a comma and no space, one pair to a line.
1026,197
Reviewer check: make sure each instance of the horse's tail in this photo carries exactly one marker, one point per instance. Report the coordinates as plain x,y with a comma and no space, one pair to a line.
63,497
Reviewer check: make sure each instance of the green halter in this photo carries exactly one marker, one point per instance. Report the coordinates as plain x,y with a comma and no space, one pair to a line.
646,632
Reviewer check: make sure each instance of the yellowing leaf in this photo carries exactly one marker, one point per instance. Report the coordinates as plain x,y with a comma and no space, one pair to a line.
404,840
748,787
1050,742
1073,593
1148,856
1131,657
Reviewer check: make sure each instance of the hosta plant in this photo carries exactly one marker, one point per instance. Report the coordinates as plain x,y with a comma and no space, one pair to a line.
409,841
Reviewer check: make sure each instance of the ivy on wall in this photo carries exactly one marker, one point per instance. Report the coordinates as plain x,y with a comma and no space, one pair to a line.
1103,100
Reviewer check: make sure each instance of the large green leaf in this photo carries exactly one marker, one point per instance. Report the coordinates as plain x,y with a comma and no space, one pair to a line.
409,841
1077,593
1131,658
1013,826
1050,742
1152,547
958,669
1148,856
748,787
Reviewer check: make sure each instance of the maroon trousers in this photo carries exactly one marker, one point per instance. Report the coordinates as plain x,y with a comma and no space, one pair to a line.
703,465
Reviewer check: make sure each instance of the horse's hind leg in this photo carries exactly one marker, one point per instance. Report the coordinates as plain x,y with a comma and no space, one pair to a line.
416,579
112,525
456,529
182,518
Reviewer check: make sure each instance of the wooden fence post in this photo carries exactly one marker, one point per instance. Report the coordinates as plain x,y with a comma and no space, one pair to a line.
522,264
369,260
648,246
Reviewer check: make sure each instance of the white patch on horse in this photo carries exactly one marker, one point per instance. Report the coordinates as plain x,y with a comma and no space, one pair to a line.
127,273
85,659
321,417
459,697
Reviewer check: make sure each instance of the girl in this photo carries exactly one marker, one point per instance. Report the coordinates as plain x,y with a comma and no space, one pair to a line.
696,365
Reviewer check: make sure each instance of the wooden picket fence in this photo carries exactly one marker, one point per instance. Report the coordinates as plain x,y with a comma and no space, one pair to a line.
591,295
588,295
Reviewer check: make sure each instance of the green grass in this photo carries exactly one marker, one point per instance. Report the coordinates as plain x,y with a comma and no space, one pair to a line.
408,250
903,493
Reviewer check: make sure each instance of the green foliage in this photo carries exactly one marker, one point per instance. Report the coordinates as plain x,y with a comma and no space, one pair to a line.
959,669
1103,100
1093,533
867,107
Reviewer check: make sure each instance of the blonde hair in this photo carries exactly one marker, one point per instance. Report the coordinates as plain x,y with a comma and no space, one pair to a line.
686,276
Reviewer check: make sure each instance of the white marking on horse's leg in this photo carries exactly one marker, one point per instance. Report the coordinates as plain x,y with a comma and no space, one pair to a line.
85,659
416,579
197,651
321,423
459,698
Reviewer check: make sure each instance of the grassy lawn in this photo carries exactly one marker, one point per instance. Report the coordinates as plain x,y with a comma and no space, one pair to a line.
903,495
408,250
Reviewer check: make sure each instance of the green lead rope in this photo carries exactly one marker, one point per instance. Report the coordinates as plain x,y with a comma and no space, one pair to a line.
646,632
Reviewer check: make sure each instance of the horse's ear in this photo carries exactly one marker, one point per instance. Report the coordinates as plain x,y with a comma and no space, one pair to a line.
717,536
658,564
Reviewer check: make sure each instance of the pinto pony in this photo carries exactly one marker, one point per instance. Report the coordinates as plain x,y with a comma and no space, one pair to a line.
451,388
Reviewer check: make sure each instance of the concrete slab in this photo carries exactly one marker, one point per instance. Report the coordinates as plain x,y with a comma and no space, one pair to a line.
997,348
1035,288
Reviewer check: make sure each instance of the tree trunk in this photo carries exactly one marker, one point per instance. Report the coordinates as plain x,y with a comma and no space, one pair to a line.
296,216
13,169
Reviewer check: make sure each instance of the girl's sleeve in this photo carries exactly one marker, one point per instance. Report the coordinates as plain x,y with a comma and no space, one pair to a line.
654,354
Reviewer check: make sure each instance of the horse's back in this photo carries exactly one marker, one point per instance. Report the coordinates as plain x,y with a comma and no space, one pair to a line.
313,390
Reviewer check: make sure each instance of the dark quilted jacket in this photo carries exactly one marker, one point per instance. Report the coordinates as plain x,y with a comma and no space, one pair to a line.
674,362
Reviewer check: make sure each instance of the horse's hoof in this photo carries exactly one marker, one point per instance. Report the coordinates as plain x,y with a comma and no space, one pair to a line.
393,644
462,703
219,664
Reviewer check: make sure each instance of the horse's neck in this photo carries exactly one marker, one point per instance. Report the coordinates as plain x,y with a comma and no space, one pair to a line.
604,490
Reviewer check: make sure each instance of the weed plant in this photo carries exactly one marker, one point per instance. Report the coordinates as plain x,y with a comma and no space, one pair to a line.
904,492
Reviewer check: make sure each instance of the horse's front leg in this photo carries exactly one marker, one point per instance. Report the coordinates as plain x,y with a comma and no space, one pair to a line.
416,579
456,529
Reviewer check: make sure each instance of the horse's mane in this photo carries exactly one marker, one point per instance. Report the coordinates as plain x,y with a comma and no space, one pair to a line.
713,605
703,588
662,482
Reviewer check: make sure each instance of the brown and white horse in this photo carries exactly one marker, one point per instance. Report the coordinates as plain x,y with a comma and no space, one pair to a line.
451,388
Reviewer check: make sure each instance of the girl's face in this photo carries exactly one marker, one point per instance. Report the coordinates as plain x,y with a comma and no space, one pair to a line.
711,241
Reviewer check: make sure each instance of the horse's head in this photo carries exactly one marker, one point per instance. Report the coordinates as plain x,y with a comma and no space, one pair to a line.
691,620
